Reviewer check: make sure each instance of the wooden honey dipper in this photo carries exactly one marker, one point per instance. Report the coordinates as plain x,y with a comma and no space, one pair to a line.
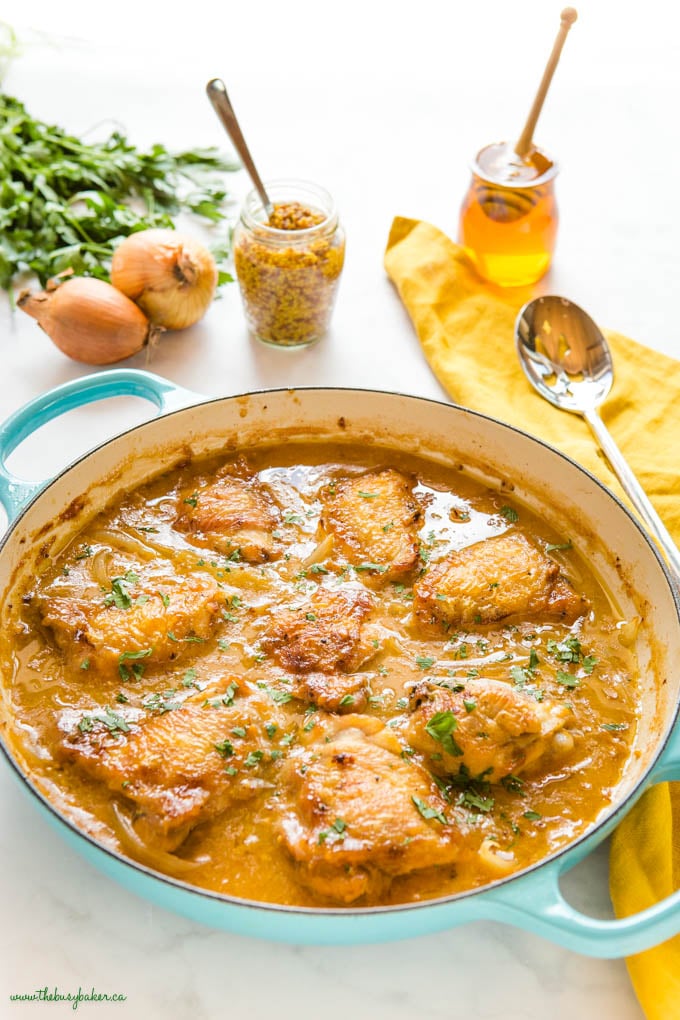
524,143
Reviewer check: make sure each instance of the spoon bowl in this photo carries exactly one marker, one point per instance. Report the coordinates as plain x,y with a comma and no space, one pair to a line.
564,354
567,360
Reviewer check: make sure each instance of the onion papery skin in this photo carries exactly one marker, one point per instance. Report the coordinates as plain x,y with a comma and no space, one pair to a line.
89,320
172,277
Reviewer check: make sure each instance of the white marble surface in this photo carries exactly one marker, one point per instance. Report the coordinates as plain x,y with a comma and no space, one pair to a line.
384,104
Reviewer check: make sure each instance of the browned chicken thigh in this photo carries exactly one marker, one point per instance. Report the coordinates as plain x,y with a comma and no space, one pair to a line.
490,728
180,767
493,579
146,615
374,518
357,815
323,634
232,515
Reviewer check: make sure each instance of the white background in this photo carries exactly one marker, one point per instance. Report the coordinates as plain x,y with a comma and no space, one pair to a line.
384,104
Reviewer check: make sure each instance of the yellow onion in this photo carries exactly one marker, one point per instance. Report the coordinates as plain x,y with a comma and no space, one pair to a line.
169,275
89,320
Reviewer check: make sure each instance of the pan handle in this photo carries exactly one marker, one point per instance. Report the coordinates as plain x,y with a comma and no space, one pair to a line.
536,903
15,492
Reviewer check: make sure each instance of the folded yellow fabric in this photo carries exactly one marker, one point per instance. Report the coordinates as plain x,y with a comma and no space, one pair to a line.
466,328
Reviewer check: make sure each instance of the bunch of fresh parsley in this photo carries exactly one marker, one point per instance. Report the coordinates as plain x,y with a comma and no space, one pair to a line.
66,204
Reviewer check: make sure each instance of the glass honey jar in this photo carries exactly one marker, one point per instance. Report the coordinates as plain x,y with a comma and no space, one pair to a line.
509,218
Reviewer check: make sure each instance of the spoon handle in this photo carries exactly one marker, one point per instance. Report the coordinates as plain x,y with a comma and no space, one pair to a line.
634,490
217,94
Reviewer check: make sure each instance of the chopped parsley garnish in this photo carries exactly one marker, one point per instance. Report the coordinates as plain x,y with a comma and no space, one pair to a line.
513,784
239,731
441,727
533,816
253,758
292,519
189,678
402,703
85,664
510,514
368,495
377,568
192,500
137,667
346,699
223,644
533,659
280,697
567,679
614,727
160,703
87,551
425,662
470,706
589,663
223,699
558,546
114,722
429,812
311,617
522,679
225,748
317,568
339,825
474,800
119,596
270,729
568,650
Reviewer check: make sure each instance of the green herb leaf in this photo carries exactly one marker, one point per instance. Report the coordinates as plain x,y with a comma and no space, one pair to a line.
225,748
67,203
137,668
429,812
558,546
441,727
510,515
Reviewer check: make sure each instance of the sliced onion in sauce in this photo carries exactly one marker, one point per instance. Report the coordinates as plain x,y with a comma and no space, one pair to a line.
161,860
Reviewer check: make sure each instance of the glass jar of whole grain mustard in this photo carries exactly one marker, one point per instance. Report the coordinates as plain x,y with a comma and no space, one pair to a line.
289,265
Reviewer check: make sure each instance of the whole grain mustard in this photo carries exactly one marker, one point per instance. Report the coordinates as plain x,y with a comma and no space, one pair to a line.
289,265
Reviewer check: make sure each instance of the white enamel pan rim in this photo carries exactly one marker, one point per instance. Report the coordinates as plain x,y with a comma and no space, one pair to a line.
608,819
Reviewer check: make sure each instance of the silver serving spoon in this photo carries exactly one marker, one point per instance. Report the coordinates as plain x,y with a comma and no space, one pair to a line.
567,360
217,94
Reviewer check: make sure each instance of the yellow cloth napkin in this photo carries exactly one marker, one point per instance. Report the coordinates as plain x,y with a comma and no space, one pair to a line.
466,328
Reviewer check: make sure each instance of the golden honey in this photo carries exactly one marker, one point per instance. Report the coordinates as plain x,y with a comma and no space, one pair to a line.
508,219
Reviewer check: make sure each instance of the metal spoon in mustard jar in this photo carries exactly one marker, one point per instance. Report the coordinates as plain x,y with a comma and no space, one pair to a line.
217,94
567,360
